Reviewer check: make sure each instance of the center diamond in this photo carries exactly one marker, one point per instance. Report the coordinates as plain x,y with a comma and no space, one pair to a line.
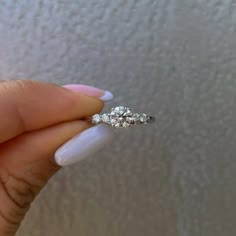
119,116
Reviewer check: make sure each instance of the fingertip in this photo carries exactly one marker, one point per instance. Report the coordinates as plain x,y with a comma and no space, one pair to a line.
84,145
107,96
101,94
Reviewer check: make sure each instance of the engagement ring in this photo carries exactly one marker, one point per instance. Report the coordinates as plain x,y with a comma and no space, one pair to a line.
122,117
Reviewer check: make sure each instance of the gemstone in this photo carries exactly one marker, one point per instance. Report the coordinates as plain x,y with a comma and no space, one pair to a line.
113,121
96,119
127,112
126,124
119,110
121,124
143,118
117,125
106,118
118,117
134,118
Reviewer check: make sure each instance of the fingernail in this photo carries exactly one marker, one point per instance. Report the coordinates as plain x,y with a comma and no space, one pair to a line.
83,145
103,95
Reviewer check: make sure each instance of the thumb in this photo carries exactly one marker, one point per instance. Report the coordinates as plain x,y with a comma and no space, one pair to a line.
27,105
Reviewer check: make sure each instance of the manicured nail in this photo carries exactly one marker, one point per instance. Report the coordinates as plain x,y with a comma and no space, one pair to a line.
83,145
90,91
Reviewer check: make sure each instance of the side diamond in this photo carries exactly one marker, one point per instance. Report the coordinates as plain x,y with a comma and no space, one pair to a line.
106,118
133,119
121,125
126,124
96,119
143,118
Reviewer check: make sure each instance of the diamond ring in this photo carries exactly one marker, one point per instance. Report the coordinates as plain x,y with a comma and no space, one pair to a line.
122,117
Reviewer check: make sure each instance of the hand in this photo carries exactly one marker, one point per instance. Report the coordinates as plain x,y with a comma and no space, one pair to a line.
35,120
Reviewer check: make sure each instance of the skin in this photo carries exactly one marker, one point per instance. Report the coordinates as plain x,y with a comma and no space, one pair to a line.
35,120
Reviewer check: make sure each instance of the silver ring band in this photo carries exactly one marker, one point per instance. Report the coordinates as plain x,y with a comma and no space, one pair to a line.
122,117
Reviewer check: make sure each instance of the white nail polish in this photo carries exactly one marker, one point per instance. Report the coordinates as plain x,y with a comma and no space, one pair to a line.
83,145
108,96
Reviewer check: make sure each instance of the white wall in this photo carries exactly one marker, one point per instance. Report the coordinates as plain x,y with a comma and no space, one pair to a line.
174,59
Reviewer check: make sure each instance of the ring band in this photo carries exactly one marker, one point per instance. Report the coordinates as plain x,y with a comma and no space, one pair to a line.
122,117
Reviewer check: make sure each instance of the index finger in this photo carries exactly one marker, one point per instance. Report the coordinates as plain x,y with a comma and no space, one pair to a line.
27,105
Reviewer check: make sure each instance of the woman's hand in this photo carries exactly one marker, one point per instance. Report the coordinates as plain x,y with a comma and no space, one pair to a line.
35,120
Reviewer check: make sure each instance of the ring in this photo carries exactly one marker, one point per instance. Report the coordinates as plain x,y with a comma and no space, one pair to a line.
122,117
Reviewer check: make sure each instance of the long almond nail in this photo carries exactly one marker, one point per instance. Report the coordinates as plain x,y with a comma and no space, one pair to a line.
83,145
103,95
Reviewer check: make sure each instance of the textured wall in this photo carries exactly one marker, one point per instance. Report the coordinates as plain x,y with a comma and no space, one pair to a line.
175,59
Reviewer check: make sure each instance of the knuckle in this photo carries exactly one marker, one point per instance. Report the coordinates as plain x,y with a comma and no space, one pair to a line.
8,225
17,196
24,84
19,191
18,87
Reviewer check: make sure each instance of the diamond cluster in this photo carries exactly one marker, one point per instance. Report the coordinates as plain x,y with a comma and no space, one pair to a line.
120,117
